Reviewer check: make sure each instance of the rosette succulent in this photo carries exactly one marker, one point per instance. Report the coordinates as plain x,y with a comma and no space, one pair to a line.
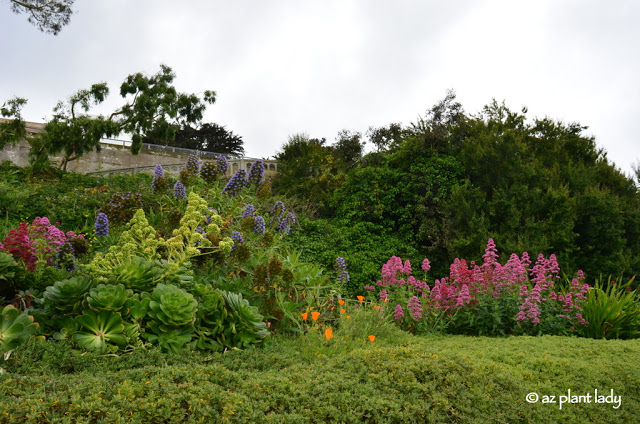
138,274
16,327
66,295
244,325
107,297
172,307
100,331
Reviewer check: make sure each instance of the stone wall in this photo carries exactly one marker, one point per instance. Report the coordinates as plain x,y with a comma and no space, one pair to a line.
115,158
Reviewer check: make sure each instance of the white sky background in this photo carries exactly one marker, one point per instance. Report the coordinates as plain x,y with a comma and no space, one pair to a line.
283,67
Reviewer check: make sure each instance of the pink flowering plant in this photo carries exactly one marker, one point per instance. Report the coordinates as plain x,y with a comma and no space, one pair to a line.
485,299
37,245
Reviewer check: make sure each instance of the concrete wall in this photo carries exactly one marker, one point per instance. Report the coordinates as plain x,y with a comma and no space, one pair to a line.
113,158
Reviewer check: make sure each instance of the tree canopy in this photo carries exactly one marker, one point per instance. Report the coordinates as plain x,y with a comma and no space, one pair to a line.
49,16
209,137
153,111
445,184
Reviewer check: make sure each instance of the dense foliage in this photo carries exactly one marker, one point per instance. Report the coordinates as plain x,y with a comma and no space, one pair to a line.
450,181
440,379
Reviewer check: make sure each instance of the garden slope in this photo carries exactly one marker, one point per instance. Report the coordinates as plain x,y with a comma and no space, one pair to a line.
429,379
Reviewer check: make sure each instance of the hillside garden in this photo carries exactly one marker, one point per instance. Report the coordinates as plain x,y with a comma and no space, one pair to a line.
468,262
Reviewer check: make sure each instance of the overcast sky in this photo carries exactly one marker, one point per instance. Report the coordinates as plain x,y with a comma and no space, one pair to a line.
283,67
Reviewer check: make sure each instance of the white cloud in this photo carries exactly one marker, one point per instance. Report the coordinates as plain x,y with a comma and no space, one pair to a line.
281,67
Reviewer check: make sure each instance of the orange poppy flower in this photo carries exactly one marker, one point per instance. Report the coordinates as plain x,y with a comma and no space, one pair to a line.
315,316
304,315
341,302
333,307
375,307
372,338
348,316
342,311
328,333
386,300
360,298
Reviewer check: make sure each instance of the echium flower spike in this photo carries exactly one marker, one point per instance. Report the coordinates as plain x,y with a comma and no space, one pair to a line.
179,192
236,183
259,225
341,269
102,225
250,210
159,182
237,238
209,171
286,223
256,172
222,165
193,164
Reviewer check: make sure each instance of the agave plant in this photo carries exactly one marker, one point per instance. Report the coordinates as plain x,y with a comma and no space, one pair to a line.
138,274
66,295
16,327
171,307
107,297
100,331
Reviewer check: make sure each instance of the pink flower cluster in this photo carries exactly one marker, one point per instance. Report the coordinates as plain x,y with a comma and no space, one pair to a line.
466,282
36,243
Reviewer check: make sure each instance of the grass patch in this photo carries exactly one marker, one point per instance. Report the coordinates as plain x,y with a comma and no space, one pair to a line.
306,380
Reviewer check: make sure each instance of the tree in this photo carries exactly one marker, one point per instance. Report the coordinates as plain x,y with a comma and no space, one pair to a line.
156,109
348,149
13,129
49,16
209,137
72,133
384,137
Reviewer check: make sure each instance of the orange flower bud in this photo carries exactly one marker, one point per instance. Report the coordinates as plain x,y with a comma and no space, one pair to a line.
372,338
304,315
315,316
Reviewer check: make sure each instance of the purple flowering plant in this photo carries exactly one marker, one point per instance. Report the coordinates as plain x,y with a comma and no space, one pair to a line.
236,183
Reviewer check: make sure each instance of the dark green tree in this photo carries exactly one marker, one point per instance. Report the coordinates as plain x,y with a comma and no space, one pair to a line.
385,136
348,149
155,109
74,133
12,128
48,16
210,138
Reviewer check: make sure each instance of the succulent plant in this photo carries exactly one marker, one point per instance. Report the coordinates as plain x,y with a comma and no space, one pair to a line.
107,297
172,340
244,325
66,295
16,327
100,331
172,307
138,274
